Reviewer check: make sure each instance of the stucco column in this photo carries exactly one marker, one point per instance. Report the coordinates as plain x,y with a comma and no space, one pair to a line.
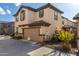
78,30
76,17
78,33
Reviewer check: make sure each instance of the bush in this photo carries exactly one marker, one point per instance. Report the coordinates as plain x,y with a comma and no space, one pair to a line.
54,39
17,37
12,34
66,36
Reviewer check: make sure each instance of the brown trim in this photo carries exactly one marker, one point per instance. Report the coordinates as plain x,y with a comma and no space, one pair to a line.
37,23
32,27
23,25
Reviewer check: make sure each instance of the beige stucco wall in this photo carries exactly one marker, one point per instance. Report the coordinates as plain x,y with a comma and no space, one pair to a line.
29,17
49,17
77,21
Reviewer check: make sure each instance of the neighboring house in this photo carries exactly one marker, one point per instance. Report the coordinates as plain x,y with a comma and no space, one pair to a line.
6,28
37,24
3,27
68,24
76,17
10,28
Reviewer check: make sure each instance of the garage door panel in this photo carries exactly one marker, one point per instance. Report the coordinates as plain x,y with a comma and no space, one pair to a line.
32,33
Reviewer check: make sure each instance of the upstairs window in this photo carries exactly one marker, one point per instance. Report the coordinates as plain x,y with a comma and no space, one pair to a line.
55,15
41,13
63,22
16,18
22,15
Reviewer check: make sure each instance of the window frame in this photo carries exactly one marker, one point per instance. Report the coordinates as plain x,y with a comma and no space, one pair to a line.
16,18
22,15
41,13
55,15
63,22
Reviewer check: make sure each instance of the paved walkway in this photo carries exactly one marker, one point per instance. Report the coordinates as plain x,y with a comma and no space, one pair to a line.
45,51
40,51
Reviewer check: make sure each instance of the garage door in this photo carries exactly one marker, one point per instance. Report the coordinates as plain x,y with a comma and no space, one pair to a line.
32,34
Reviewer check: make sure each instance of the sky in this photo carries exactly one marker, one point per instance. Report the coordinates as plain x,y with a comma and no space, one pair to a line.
7,10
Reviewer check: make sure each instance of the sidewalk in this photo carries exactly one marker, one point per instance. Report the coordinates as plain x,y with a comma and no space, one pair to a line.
40,51
45,51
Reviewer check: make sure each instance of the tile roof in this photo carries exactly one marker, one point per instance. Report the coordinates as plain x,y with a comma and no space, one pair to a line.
37,23
76,16
42,7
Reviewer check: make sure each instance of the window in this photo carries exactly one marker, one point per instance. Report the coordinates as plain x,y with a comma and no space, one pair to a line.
63,22
41,13
20,30
16,30
16,18
55,15
22,15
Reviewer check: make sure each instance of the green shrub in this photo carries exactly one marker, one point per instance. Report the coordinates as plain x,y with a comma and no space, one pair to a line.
12,34
54,39
17,37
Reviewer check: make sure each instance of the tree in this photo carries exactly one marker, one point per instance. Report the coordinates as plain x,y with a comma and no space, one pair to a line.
66,36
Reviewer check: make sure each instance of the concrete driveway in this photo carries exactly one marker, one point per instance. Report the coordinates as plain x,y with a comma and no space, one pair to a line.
26,48
16,47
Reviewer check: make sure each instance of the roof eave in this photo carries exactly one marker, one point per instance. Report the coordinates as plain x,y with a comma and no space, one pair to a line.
22,6
42,7
76,18
49,5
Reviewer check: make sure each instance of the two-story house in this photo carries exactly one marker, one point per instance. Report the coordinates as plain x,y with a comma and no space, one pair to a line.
37,24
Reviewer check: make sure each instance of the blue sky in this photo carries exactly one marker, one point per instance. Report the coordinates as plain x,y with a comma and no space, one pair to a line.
8,9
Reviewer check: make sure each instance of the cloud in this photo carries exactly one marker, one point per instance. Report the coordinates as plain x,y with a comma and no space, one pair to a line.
8,11
17,4
2,11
